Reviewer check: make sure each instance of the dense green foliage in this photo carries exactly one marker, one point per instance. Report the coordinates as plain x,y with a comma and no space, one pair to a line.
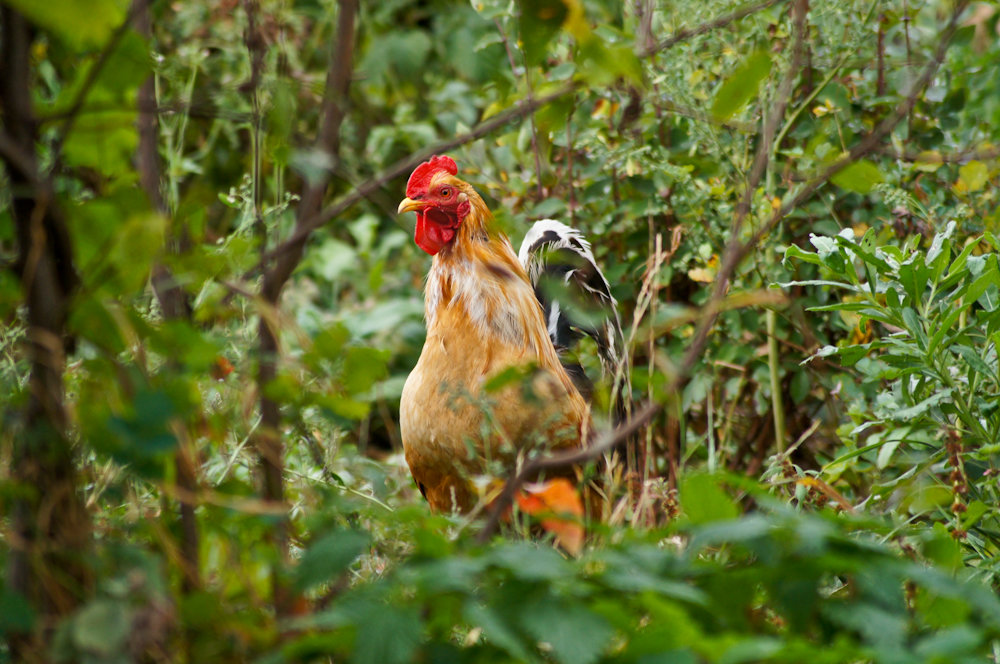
796,206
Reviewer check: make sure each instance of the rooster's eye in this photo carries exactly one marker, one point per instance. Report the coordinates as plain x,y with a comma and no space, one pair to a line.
446,191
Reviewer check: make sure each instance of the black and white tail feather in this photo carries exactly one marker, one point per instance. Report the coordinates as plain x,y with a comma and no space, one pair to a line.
577,301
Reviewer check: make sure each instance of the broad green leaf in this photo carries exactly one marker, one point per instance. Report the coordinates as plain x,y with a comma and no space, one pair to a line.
990,299
938,244
859,177
704,500
601,64
741,85
104,142
974,511
885,453
16,613
325,559
927,498
81,25
101,628
575,634
974,360
345,407
794,251
539,21
905,414
950,643
496,630
363,366
939,546
986,275
388,635
530,562
752,649
329,343
875,624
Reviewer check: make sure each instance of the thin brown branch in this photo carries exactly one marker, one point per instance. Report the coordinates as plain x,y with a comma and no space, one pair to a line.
88,84
721,22
606,442
932,157
525,107
708,118
284,258
173,301
297,241
17,159
735,251
49,522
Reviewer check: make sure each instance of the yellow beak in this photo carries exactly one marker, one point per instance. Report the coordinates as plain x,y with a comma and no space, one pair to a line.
409,205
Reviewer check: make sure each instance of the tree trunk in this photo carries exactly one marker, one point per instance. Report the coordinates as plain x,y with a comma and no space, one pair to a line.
50,527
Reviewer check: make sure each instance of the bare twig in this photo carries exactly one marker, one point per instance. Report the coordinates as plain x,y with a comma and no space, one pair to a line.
929,157
173,300
50,523
286,256
606,442
734,254
721,22
92,75
735,251
525,107
531,93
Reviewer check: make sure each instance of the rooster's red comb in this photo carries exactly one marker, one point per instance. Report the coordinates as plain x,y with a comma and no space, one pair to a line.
421,176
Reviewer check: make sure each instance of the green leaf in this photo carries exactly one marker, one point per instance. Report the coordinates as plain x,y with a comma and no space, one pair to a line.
575,634
858,177
741,85
539,21
79,24
753,649
496,630
795,251
949,643
388,635
101,628
990,299
530,562
703,500
973,359
363,366
876,625
329,343
974,511
940,547
16,613
915,326
918,409
328,557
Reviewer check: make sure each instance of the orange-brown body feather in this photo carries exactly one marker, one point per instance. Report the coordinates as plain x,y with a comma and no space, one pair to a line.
482,318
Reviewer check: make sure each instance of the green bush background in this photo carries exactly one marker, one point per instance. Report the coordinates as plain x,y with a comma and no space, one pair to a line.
795,204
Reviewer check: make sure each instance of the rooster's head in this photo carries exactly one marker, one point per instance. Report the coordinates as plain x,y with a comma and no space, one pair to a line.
439,199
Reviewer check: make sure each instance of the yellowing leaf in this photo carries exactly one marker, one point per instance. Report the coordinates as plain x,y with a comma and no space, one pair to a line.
928,161
702,275
972,177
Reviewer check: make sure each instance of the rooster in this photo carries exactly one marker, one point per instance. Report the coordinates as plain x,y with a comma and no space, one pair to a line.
460,409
